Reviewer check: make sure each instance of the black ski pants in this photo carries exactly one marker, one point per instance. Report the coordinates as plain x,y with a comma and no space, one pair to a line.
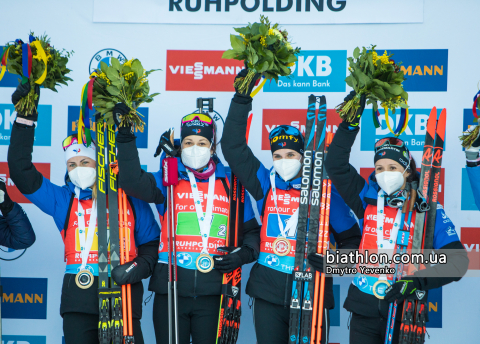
197,317
82,328
272,322
368,330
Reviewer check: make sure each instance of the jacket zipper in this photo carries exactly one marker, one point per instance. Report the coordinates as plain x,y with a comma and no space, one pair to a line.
195,285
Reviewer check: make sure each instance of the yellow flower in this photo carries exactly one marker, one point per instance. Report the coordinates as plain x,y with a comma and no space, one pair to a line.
262,41
94,75
245,40
104,77
271,32
128,63
128,76
291,64
350,69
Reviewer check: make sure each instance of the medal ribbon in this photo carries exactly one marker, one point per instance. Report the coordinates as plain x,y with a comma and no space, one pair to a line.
204,219
3,62
474,107
292,222
382,243
85,244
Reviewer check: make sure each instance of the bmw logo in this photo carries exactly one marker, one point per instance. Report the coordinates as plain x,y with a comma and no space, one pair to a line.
105,55
184,259
10,254
272,260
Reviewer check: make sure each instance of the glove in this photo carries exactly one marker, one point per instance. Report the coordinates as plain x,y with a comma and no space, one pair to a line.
166,144
131,272
231,261
316,260
356,120
472,152
119,111
6,204
21,92
402,289
245,97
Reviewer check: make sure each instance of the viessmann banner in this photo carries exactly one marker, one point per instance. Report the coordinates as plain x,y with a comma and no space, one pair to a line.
243,11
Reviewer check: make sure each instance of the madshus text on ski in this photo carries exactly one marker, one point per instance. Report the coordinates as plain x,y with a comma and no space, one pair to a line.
308,195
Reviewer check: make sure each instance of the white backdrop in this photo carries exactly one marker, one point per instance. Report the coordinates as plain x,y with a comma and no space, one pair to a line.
446,25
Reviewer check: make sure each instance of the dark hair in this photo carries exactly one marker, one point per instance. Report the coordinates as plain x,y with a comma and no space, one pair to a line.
214,145
413,171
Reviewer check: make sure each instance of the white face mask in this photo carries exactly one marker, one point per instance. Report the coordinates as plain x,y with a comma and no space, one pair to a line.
390,181
287,168
195,156
83,177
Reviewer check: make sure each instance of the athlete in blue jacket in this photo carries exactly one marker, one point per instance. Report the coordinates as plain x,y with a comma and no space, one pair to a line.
79,302
473,169
270,281
393,169
16,231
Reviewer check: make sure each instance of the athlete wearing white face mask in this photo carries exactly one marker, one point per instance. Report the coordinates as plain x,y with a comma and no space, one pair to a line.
80,162
72,205
377,203
277,193
201,209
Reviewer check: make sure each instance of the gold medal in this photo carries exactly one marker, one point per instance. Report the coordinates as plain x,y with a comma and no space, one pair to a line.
281,246
204,263
84,279
379,288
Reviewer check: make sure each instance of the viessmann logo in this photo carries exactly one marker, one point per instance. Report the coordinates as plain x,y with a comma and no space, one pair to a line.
24,298
43,168
200,70
272,118
425,69
471,242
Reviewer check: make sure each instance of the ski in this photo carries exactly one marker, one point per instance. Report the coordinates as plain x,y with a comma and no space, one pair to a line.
116,300
421,307
104,329
403,238
313,225
322,247
301,276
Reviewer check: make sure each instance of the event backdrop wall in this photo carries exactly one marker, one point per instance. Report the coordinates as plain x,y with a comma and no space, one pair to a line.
435,40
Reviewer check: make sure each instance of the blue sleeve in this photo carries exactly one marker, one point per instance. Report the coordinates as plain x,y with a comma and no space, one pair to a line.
53,200
341,217
248,213
146,227
474,176
16,231
263,176
444,230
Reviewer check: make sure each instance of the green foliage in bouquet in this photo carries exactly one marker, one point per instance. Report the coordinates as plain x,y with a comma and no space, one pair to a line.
265,49
56,73
378,77
126,83
469,136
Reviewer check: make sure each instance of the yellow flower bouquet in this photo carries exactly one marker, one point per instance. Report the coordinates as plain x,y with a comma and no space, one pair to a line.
379,78
265,49
126,83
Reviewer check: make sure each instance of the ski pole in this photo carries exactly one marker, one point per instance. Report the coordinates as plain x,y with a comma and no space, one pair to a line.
122,258
129,338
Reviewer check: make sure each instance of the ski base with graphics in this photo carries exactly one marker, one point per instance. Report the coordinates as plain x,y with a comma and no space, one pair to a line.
303,289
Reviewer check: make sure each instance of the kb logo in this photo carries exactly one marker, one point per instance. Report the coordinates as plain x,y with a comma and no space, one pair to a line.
413,136
315,70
